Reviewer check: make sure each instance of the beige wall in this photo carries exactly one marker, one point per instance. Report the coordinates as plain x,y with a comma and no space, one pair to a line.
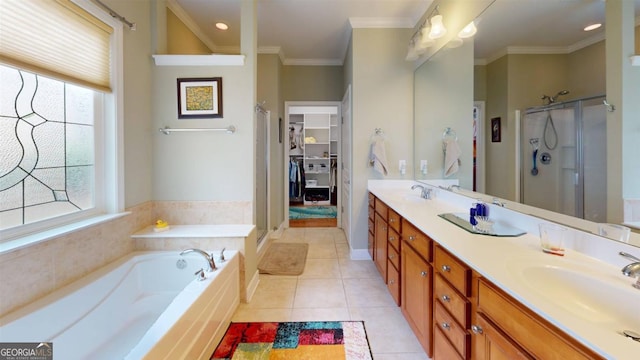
480,83
586,69
496,153
312,83
181,40
382,98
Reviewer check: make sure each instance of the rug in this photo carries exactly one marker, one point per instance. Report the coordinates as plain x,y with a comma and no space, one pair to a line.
317,340
284,259
312,212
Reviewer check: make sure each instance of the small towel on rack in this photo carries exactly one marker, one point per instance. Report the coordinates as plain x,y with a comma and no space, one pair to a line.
452,154
378,157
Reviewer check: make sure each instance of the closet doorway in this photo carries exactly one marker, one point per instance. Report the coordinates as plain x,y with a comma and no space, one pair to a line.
312,158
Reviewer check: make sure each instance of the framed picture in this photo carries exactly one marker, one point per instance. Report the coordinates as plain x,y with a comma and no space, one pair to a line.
200,98
495,130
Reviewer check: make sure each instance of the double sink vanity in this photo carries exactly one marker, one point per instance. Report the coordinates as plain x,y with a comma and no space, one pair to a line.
467,295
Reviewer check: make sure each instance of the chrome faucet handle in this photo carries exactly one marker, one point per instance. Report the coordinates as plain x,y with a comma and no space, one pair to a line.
222,258
629,256
633,270
200,275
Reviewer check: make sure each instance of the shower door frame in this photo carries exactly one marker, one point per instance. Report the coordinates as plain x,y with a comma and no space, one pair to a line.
577,105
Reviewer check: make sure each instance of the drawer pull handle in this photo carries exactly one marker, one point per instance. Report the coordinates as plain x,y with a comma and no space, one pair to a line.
423,273
392,238
391,282
391,256
411,237
392,220
446,298
476,329
446,326
384,228
446,268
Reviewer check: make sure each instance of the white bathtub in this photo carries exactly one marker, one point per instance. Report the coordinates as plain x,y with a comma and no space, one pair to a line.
141,306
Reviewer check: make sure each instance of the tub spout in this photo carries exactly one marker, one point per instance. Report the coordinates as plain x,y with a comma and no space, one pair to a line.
209,258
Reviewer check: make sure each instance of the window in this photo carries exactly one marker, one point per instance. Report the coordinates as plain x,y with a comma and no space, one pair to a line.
47,147
60,126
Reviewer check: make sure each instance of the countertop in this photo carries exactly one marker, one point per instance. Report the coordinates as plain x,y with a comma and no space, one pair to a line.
503,261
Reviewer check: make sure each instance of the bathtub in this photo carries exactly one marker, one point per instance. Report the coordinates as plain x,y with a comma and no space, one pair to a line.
139,307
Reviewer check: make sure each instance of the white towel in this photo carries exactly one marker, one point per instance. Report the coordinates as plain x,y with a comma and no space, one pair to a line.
378,157
452,154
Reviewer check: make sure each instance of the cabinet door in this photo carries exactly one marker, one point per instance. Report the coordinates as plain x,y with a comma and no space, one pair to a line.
496,346
416,282
380,244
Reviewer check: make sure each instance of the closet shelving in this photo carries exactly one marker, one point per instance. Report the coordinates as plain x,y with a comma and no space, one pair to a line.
313,140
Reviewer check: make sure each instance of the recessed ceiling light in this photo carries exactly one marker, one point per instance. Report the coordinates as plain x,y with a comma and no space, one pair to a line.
222,26
592,27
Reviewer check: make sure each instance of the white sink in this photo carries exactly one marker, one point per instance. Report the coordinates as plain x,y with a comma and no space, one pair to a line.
594,297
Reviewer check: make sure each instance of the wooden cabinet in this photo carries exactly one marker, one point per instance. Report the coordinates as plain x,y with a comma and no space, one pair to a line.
452,286
416,285
508,326
371,220
380,243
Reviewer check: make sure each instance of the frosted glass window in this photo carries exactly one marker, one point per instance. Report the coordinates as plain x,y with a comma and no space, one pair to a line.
47,148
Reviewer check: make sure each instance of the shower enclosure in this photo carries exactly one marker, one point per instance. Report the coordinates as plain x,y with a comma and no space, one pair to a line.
564,158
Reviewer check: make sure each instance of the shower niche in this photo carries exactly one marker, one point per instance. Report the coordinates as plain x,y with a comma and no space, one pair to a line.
563,157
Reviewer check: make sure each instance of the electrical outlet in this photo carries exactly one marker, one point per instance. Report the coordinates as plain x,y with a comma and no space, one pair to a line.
402,166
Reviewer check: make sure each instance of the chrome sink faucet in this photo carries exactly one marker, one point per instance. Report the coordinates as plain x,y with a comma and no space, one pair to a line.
632,270
425,192
211,264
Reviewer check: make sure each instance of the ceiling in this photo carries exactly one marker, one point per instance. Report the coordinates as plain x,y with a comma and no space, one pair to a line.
316,32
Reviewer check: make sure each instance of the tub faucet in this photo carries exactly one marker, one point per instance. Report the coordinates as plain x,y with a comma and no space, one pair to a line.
209,258
633,270
425,193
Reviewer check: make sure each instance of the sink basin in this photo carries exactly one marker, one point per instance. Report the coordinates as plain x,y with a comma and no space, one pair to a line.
590,296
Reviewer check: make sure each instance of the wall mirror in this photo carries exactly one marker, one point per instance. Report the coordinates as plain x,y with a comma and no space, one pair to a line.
561,56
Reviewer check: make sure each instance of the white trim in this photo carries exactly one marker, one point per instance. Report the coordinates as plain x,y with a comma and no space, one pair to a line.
635,60
252,286
272,50
314,62
190,24
199,60
360,254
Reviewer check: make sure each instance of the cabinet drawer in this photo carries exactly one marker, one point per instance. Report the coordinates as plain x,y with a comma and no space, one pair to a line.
394,256
393,282
394,239
443,350
371,245
394,220
381,208
416,239
456,334
372,226
526,328
456,273
371,212
372,200
457,305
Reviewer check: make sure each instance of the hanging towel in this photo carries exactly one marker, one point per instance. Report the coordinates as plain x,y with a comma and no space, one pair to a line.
378,157
452,154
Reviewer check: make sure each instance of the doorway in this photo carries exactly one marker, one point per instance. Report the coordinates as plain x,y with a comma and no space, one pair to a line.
312,156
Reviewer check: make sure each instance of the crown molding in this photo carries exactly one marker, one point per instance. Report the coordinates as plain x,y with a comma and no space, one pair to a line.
199,60
313,62
191,24
272,50
380,23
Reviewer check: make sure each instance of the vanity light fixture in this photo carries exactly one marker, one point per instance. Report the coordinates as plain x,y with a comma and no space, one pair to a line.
425,40
222,26
412,54
592,27
468,31
437,27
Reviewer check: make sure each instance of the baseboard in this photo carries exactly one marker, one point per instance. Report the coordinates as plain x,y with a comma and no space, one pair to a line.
277,233
359,254
253,286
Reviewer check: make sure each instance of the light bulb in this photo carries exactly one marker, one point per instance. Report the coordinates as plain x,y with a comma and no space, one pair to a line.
437,27
468,31
425,40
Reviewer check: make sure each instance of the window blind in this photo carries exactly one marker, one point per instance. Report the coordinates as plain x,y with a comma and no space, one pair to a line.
56,38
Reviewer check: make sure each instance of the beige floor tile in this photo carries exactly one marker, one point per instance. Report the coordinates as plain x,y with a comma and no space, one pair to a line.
358,269
320,314
367,293
245,314
343,250
273,293
321,250
321,269
320,293
387,330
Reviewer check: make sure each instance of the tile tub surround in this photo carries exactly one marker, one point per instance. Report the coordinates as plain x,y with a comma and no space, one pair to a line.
32,272
204,212
499,259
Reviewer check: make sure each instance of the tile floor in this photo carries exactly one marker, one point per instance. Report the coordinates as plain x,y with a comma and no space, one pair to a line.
334,288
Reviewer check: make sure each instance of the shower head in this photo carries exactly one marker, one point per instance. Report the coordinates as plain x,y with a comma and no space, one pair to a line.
552,99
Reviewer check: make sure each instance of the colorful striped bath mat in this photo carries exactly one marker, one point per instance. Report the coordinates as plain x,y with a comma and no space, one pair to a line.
321,340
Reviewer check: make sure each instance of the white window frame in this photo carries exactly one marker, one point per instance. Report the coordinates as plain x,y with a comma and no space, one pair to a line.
109,162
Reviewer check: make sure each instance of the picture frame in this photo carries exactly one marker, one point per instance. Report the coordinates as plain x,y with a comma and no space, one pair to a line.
495,130
200,98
